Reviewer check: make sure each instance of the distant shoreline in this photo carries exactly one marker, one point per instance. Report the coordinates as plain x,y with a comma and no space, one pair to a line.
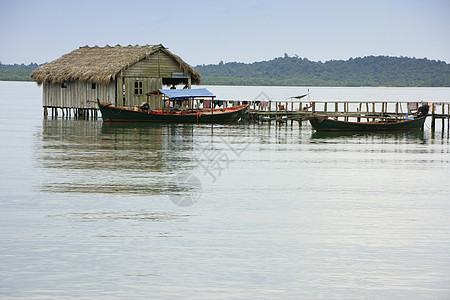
369,71
302,86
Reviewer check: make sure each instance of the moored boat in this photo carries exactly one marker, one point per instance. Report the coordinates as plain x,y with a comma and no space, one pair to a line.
172,114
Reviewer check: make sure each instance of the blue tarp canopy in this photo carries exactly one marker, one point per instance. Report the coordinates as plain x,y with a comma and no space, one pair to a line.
186,93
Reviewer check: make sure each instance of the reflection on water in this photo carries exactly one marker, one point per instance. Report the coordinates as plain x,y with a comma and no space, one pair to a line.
417,136
109,158
296,215
136,216
79,156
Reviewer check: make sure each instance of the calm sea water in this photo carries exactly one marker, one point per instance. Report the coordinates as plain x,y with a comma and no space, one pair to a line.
243,211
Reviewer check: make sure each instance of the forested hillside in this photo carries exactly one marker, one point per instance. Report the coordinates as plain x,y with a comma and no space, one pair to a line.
296,71
16,72
367,71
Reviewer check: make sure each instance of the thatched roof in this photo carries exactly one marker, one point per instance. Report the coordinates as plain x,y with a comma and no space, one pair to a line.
101,64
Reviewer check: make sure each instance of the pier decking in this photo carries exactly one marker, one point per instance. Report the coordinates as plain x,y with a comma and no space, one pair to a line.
284,111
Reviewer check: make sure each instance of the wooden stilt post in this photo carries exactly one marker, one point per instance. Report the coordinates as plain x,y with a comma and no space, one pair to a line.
367,111
433,119
359,111
336,109
345,111
373,110
448,118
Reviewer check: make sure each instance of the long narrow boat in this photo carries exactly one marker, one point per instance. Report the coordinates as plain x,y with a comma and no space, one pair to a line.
111,113
325,124
116,114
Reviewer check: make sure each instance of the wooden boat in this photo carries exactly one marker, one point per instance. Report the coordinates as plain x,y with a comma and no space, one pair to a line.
111,113
325,124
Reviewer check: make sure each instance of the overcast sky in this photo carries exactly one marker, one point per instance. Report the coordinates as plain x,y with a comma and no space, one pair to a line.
205,32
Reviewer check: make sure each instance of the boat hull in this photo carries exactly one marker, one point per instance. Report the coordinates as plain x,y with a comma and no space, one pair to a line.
323,124
115,114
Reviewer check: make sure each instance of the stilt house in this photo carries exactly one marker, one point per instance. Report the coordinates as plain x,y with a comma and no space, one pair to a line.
118,75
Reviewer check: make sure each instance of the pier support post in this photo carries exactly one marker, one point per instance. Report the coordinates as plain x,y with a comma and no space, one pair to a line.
448,118
359,110
367,111
373,110
336,109
345,111
433,119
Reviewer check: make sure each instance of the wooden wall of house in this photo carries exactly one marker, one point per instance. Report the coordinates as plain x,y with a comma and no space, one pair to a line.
77,94
150,72
126,91
158,65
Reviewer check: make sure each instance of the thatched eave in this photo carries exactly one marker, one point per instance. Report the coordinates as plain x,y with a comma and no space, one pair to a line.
101,64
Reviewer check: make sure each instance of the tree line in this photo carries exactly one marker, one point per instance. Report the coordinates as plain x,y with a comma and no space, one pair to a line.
16,72
297,71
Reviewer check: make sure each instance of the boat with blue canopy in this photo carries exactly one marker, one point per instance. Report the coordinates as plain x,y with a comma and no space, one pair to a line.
180,106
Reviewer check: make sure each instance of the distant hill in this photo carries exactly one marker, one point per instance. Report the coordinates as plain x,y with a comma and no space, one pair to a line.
296,71
16,72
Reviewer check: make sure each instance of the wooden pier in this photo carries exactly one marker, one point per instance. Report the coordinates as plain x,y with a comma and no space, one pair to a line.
353,111
291,110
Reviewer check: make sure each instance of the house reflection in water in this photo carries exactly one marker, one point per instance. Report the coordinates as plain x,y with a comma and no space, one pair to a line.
77,156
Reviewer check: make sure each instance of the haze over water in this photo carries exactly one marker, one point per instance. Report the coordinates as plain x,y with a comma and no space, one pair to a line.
96,211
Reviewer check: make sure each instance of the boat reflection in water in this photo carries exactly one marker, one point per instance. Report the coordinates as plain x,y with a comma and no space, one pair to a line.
79,156
361,137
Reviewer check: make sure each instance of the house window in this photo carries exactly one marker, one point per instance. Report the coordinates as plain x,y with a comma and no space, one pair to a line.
138,88
93,86
64,85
